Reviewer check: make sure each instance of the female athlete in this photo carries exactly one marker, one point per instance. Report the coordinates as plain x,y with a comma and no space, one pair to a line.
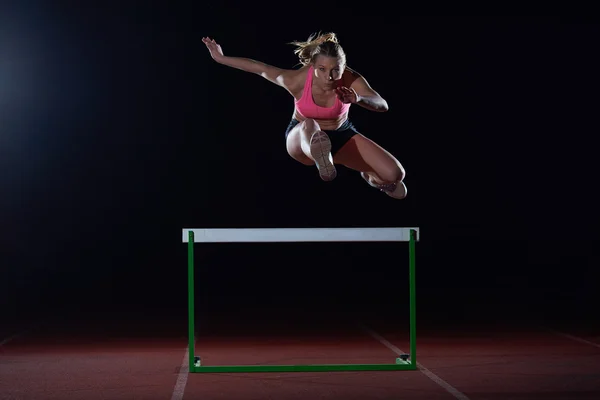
320,132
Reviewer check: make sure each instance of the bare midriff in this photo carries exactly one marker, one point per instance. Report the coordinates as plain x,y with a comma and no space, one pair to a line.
325,124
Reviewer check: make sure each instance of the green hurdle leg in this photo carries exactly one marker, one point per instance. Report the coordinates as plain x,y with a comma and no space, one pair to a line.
191,327
413,298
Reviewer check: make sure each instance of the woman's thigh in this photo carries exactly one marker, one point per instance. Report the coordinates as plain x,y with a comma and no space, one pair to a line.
293,144
362,154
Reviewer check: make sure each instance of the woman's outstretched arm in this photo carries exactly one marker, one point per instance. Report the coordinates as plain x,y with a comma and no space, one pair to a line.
279,76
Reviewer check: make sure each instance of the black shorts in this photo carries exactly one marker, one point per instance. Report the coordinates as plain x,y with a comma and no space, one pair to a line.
338,137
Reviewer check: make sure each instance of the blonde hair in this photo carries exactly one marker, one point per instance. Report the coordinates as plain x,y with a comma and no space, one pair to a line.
326,44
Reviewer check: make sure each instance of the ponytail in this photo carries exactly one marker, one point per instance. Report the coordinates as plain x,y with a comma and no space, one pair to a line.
306,51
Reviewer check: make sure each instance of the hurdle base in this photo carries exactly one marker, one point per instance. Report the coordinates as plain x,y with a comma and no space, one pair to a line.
400,366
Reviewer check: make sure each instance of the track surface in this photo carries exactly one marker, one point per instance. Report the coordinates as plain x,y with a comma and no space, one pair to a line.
122,357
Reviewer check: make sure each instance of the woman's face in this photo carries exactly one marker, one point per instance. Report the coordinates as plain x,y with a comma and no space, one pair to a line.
328,70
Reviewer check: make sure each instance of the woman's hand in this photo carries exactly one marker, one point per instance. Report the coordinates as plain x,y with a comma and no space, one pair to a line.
347,95
214,48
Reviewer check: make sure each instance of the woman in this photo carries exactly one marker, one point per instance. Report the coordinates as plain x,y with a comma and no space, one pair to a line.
320,132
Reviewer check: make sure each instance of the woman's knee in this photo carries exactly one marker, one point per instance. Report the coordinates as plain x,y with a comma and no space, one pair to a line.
401,173
392,174
310,126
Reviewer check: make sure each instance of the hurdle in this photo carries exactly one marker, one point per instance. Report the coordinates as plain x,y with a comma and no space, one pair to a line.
279,235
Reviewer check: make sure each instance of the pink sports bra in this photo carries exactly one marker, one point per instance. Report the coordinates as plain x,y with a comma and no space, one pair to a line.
308,109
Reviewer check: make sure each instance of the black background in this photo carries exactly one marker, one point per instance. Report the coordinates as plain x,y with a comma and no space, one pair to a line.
118,130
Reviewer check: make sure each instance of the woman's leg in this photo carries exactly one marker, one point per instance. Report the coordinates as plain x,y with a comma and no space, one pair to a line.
377,166
308,144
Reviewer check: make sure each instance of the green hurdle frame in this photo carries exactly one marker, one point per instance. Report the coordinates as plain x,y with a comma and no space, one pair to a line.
403,362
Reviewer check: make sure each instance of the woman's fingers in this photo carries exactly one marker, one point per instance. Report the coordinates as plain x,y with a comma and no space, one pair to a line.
209,42
345,94
211,45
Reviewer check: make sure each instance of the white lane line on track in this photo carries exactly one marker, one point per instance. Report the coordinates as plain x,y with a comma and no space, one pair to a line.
572,337
182,377
445,385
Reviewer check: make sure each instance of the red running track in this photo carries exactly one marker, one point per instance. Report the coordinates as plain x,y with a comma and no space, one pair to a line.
93,361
